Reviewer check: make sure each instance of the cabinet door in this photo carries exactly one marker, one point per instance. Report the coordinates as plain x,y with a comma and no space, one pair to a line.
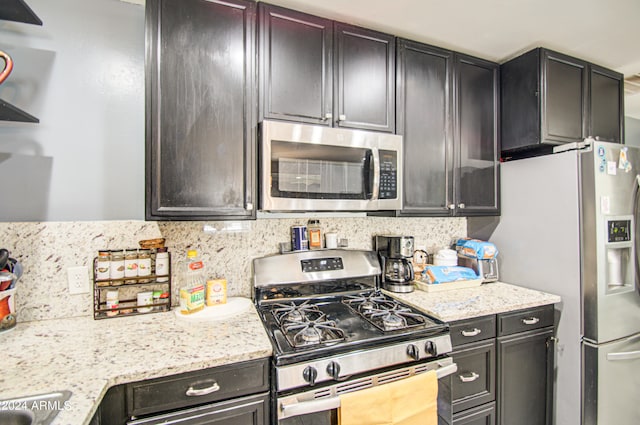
477,147
424,76
525,378
201,125
606,104
474,383
483,415
563,98
365,64
296,66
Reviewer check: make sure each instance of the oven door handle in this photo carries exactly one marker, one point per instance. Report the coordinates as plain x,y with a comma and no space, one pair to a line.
323,404
308,407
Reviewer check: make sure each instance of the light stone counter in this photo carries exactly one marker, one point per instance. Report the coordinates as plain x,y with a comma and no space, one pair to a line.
466,303
87,356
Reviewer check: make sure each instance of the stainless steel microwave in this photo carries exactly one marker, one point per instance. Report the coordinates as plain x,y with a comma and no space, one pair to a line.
315,168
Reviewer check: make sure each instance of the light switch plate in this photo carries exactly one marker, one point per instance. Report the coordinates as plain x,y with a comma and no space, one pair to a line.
78,278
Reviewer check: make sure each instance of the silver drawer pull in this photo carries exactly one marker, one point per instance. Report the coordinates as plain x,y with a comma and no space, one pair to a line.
192,392
530,321
629,355
469,378
473,332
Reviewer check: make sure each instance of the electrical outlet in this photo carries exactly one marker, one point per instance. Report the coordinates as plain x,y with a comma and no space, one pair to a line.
78,279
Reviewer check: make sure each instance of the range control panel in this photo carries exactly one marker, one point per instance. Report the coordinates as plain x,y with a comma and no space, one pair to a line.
321,264
618,230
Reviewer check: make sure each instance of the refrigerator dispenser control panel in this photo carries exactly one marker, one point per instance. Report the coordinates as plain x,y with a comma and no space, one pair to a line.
619,230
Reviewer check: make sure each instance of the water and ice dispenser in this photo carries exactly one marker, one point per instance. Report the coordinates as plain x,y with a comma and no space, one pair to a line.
619,253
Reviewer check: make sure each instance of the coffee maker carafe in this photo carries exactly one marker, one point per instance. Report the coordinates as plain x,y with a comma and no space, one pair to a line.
395,253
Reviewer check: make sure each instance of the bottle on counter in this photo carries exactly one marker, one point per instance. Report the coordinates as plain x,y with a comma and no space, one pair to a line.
116,266
162,265
103,263
131,264
315,234
144,264
192,292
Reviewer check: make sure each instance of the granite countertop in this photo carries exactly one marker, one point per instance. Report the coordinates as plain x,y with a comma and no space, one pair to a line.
466,303
87,356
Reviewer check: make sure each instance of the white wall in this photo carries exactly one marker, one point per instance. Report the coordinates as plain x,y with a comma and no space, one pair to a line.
632,131
82,75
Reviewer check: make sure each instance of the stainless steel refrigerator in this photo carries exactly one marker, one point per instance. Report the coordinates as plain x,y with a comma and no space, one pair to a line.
569,226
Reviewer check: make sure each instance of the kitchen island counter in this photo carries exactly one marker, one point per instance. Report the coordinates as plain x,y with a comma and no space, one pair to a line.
87,356
486,299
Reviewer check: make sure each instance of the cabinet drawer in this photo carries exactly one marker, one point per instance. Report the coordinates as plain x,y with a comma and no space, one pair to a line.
472,330
475,382
482,415
525,320
190,389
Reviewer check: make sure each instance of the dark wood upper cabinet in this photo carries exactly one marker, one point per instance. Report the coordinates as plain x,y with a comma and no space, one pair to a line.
201,120
365,74
606,104
296,66
322,72
424,118
549,98
476,136
447,112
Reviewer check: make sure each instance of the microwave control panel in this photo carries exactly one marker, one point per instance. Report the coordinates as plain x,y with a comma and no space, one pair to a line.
388,175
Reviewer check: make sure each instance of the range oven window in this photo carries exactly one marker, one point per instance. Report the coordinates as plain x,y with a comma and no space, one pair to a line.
312,171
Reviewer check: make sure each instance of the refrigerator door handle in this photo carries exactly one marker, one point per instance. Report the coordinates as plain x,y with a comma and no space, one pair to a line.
629,355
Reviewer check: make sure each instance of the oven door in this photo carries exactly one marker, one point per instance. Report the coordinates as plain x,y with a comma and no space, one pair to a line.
313,168
319,407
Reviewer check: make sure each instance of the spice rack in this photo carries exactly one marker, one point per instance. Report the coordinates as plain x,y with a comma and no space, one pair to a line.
131,286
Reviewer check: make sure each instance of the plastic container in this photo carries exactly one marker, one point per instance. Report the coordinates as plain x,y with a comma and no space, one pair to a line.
192,293
445,257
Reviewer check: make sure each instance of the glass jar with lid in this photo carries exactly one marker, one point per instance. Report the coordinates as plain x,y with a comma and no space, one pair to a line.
144,264
131,264
116,267
102,267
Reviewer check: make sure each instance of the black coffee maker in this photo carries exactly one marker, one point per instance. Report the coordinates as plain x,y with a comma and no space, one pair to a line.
395,253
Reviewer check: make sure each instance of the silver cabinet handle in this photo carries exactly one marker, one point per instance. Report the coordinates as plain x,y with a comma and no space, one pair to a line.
328,116
451,206
192,392
530,321
469,378
474,332
629,355
461,205
343,117
249,206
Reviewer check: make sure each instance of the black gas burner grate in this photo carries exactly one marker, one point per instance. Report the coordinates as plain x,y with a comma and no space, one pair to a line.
384,313
305,324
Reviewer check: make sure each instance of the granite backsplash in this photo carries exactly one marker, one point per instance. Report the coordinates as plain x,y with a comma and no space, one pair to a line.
47,249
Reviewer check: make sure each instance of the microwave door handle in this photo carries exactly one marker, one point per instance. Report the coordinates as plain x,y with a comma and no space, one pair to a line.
376,174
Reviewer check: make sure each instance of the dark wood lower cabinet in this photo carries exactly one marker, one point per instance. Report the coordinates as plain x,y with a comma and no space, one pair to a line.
241,397
505,368
525,384
483,415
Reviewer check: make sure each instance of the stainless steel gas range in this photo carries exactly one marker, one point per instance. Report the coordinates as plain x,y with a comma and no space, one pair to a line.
333,331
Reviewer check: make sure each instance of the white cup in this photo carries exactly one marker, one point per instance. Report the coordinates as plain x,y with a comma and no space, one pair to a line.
145,298
331,240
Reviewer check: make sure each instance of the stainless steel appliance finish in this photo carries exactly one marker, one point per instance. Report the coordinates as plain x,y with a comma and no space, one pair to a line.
396,255
487,269
569,226
371,338
316,168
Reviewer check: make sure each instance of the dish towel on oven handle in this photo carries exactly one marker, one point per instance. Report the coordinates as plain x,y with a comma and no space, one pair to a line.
408,401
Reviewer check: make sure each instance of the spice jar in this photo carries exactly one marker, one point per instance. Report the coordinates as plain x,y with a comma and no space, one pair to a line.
144,264
116,267
131,264
112,303
315,234
162,265
101,271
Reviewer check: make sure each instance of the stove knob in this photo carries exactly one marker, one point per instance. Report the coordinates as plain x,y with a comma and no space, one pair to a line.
310,374
413,352
431,348
333,369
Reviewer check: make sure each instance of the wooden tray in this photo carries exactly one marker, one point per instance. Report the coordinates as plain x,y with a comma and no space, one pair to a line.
437,287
